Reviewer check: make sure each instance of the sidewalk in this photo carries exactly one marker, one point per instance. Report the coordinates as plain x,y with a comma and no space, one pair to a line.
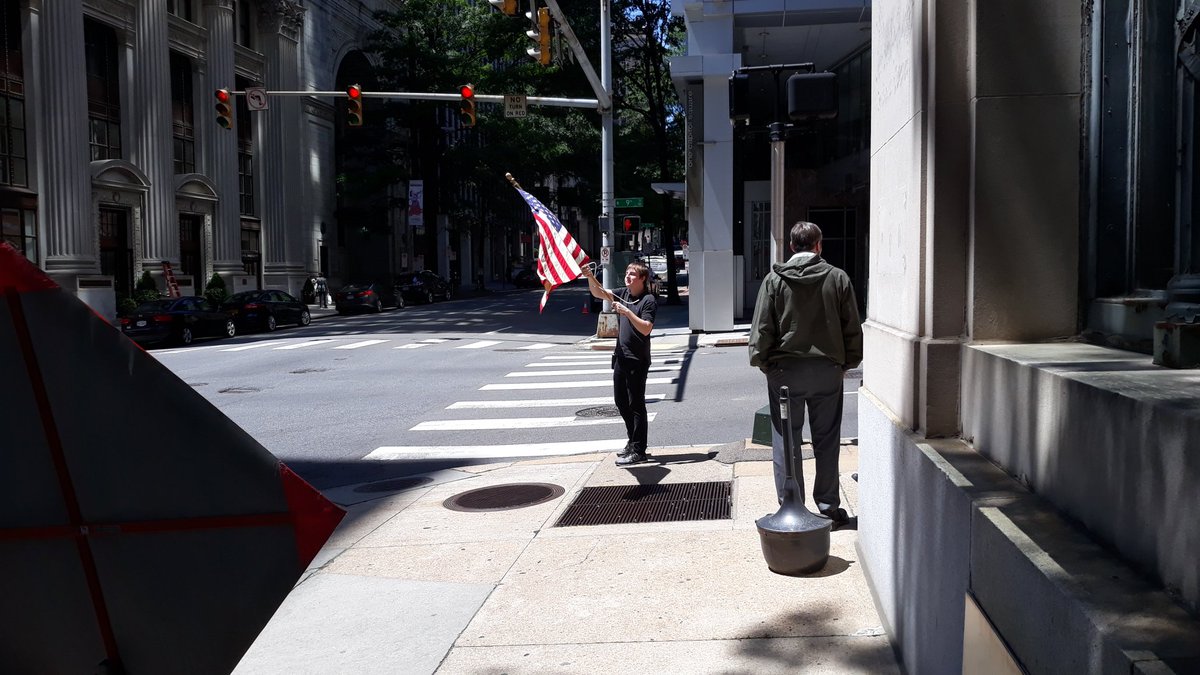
406,585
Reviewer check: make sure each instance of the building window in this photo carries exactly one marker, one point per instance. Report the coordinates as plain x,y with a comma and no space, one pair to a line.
244,23
19,228
181,9
103,90
760,239
251,247
182,125
245,132
13,160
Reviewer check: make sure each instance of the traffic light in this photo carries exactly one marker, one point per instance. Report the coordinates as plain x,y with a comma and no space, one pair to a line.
739,98
509,7
466,107
631,223
540,53
224,108
354,114
812,96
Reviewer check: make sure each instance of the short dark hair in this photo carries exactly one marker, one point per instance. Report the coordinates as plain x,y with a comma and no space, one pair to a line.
639,267
805,236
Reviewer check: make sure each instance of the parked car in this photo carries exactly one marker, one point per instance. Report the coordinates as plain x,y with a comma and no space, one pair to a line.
179,320
265,309
370,296
423,286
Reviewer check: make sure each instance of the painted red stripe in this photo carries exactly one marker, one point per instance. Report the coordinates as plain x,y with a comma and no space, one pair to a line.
54,443
548,241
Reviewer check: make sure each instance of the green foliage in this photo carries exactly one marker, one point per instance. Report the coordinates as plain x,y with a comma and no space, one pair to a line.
215,290
126,305
145,290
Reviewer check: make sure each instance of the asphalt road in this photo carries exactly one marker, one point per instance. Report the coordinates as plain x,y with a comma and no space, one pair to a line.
360,398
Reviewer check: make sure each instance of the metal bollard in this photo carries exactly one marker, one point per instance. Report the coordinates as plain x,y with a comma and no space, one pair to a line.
794,540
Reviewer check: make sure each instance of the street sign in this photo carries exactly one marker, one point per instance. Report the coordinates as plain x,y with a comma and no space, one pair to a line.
648,226
605,255
629,202
256,98
514,105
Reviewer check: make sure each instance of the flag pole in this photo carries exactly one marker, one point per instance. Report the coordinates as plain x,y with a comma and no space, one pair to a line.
512,180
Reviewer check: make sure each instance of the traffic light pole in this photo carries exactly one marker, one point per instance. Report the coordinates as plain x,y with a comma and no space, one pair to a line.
425,96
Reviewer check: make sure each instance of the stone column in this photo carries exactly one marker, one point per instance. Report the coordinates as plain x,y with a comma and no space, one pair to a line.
65,191
221,144
284,232
150,138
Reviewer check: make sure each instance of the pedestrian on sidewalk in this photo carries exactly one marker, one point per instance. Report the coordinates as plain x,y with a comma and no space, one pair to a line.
805,335
321,290
636,308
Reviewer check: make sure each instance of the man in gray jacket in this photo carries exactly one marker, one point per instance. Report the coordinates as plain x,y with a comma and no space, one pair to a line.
805,335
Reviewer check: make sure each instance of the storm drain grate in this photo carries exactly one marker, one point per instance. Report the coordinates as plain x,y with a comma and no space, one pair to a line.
664,502
503,497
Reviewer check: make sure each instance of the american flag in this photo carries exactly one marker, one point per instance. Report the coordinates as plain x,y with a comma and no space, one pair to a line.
559,257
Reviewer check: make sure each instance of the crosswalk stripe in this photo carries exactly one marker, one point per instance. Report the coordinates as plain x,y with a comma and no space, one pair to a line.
364,343
540,403
253,345
413,345
582,371
480,345
307,343
519,423
569,385
539,345
418,452
565,364
435,340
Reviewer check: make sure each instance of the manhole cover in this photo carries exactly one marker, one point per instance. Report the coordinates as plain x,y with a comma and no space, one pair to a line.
661,502
503,497
239,390
197,384
599,411
394,484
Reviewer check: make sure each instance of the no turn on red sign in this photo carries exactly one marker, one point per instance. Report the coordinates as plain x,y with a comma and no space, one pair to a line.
514,105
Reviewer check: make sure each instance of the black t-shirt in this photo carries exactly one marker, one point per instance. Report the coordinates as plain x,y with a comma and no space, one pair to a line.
633,348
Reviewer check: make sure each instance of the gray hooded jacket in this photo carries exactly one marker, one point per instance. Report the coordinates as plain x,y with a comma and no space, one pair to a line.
806,308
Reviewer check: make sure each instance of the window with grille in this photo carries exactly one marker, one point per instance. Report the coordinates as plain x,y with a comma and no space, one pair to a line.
19,228
103,90
14,167
181,9
182,125
245,132
760,239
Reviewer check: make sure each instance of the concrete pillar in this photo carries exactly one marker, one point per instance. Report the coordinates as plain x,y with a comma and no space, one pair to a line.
220,156
65,199
282,200
149,137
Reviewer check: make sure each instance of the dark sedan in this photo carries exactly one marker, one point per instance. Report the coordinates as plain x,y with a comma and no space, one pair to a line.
178,320
366,296
423,286
265,309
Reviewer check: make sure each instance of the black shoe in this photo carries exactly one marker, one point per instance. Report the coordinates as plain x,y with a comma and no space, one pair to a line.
634,457
625,451
838,516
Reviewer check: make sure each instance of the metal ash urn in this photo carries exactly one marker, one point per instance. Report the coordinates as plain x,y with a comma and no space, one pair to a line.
794,540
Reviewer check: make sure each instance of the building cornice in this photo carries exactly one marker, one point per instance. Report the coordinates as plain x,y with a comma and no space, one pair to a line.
282,17
186,37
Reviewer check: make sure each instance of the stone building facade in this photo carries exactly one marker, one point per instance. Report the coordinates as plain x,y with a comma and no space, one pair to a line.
113,160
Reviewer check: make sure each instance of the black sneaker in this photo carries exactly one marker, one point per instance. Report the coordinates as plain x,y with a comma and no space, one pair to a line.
634,457
625,451
838,516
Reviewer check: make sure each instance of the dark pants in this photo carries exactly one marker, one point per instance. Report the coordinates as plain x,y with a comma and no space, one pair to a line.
815,383
629,392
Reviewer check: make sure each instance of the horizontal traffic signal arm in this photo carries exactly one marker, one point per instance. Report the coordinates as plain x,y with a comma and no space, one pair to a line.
429,96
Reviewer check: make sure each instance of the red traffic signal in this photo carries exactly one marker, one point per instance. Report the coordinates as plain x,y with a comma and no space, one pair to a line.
354,111
224,108
466,107
632,223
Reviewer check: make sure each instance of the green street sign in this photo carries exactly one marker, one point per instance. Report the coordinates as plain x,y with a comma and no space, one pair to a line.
629,202
648,226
